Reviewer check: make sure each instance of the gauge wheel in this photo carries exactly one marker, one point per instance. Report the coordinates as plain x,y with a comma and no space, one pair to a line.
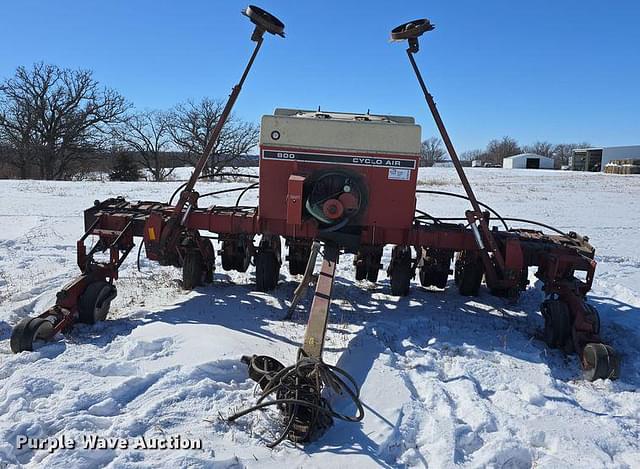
94,303
27,332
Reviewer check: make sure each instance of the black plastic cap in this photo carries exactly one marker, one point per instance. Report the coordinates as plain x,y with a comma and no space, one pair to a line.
264,20
411,30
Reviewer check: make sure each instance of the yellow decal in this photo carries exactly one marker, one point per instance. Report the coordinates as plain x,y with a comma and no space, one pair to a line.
152,234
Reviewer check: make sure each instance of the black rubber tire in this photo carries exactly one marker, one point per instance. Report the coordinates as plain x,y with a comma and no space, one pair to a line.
267,271
233,258
468,275
93,304
262,368
227,261
401,278
243,263
423,277
368,268
373,272
367,264
430,277
511,293
298,259
242,260
524,279
193,270
557,323
208,275
211,267
297,267
27,331
457,272
599,361
593,312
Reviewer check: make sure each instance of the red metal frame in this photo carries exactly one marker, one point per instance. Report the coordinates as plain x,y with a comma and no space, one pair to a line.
116,223
555,257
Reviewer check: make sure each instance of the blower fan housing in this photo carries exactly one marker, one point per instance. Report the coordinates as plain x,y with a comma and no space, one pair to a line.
335,198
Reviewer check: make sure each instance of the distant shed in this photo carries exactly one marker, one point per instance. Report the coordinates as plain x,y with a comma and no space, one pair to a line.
528,161
596,159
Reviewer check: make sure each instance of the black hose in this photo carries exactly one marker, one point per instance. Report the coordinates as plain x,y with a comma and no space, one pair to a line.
297,392
502,219
441,219
251,176
444,218
139,251
460,196
549,227
426,215
255,185
224,191
244,190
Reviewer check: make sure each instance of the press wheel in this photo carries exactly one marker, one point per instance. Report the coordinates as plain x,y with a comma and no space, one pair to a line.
401,273
94,303
194,271
267,270
557,323
600,361
28,331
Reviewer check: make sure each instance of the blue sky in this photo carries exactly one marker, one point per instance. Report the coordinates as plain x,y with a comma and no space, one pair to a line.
563,70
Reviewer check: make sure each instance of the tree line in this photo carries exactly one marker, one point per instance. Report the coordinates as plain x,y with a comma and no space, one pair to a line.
434,151
56,123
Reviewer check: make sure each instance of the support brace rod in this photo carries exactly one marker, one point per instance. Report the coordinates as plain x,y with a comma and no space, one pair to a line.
215,134
307,279
477,216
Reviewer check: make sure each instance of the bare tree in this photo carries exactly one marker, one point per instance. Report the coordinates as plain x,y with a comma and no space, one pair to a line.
562,152
472,155
52,116
147,134
191,125
6,154
432,151
17,129
540,148
497,150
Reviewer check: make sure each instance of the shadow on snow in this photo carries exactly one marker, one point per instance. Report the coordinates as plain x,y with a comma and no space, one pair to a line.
441,320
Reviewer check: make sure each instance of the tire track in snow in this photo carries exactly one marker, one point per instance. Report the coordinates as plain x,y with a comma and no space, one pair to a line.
433,429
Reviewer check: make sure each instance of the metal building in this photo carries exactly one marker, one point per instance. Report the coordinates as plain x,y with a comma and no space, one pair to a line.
595,159
528,161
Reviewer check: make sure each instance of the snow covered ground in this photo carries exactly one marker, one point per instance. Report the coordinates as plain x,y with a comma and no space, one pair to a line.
446,380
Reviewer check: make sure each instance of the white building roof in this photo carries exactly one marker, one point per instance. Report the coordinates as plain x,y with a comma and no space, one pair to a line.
527,155
617,147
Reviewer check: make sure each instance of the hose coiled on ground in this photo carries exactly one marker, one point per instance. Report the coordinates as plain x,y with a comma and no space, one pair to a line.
297,391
